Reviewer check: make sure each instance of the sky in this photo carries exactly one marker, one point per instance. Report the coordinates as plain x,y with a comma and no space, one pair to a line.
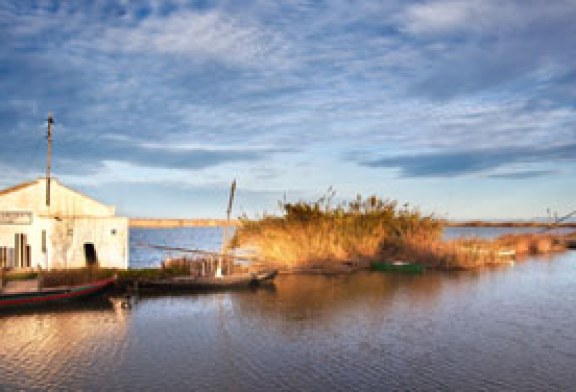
463,109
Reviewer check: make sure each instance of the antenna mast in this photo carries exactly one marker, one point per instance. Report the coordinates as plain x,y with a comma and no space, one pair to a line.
48,160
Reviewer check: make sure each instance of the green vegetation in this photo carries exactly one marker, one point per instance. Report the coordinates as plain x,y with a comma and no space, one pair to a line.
19,276
318,234
72,277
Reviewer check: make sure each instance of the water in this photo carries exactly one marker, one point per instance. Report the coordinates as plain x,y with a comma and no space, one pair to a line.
509,328
202,238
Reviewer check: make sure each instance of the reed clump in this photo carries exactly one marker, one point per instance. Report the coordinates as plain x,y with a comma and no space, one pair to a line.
532,244
317,234
464,253
467,253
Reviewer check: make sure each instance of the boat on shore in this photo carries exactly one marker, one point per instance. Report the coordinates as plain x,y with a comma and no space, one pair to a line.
10,299
207,283
398,266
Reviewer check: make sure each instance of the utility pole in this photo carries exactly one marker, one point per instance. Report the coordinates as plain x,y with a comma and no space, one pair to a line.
48,160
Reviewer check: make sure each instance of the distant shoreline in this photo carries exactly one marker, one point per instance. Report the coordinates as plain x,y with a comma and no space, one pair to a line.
175,223
159,223
479,223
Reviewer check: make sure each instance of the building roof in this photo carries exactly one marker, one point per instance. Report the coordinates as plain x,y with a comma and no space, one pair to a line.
27,184
17,187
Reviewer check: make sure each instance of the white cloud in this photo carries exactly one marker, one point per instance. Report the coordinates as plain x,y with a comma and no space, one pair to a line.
482,16
437,17
199,36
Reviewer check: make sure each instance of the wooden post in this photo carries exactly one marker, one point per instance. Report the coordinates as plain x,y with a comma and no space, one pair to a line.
228,261
49,158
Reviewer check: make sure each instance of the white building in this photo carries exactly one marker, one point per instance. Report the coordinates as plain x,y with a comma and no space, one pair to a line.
66,230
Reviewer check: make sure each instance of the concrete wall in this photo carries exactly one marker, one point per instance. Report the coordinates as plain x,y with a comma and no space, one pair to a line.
108,235
71,221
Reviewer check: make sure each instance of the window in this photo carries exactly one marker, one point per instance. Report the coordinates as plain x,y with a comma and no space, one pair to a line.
44,245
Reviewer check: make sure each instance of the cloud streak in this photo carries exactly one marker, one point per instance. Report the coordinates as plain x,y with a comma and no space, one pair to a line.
453,164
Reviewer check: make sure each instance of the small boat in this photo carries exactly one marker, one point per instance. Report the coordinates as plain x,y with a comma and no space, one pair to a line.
398,266
244,280
48,296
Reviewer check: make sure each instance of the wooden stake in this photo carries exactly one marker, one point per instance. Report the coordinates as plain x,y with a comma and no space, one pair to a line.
230,263
49,158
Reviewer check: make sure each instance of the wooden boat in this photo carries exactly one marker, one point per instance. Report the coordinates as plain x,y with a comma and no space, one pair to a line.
48,296
398,266
244,280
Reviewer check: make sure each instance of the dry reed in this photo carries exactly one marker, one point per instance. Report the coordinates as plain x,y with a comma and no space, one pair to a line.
313,234
317,235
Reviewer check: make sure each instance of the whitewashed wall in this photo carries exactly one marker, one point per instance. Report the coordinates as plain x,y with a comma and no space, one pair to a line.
71,221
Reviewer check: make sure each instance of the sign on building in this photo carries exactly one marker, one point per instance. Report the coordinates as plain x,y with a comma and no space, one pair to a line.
15,218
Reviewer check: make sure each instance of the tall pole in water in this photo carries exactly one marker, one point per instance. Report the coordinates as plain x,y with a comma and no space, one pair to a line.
228,211
231,200
48,159
225,228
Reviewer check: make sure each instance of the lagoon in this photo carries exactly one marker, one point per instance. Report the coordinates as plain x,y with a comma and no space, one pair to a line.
509,328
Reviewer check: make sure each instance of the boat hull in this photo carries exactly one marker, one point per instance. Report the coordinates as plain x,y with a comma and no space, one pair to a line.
212,283
51,296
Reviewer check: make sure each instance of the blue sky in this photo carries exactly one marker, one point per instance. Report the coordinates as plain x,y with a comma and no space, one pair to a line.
466,109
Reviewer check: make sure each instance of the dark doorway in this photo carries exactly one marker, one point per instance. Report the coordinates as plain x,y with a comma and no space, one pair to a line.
90,254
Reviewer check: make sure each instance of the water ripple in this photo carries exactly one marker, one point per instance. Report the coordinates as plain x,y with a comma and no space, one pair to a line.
499,330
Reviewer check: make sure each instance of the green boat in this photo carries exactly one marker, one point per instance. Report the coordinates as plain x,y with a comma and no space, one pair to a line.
398,266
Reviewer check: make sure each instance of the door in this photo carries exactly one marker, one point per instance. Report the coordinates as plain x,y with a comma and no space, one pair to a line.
90,254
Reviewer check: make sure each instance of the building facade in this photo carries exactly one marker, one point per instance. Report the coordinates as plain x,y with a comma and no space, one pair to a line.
64,230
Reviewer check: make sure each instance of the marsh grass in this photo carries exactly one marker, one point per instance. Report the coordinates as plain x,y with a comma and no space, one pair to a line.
456,254
318,235
466,253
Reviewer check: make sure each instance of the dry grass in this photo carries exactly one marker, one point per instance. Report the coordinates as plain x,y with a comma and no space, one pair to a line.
531,244
456,254
475,252
312,235
316,235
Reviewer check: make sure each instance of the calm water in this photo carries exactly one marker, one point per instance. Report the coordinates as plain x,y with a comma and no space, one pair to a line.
142,256
503,329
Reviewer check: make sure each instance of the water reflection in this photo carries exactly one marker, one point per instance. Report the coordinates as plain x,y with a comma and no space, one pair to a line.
56,347
323,299
502,329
